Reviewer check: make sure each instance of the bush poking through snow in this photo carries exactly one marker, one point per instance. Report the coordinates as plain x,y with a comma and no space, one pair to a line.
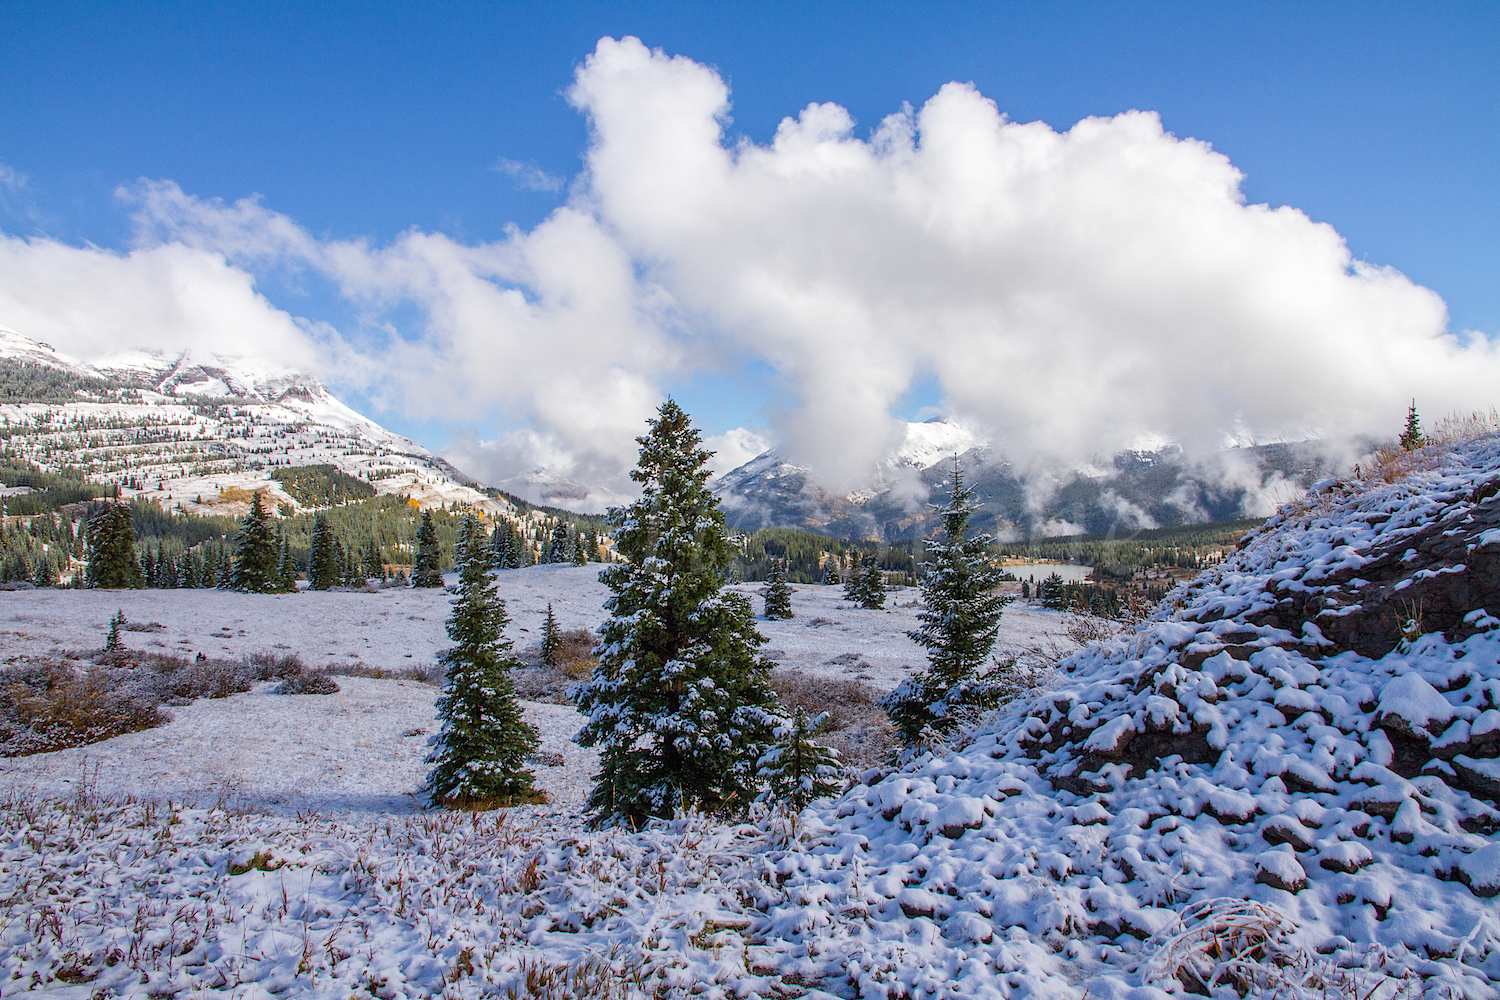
311,683
479,756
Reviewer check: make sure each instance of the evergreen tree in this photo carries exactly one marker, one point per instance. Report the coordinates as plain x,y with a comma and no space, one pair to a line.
504,546
959,625
680,703
871,586
322,556
551,638
112,562
479,754
428,570
166,570
831,571
580,550
777,594
148,567
593,546
852,579
560,551
113,642
374,567
42,576
255,553
190,574
797,770
286,567
224,572
1412,438
1051,593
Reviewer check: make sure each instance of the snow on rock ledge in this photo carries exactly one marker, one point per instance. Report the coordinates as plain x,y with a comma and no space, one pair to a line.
1315,728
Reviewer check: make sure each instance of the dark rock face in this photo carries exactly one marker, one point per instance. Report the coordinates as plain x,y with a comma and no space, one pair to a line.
1428,580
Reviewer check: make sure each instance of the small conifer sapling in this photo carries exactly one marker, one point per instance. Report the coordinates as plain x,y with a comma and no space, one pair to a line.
428,571
798,771
551,638
1412,437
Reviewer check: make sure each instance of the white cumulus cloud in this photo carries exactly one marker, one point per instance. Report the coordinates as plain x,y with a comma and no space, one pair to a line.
1072,293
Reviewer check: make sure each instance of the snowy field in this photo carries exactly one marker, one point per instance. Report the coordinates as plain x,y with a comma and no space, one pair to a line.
401,626
361,750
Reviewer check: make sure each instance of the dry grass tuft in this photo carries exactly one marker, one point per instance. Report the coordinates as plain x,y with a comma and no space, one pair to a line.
857,727
573,663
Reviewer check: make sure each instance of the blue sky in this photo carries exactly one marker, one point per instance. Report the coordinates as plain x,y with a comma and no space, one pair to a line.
363,121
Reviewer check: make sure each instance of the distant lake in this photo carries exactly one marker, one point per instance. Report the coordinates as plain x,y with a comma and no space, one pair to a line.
1037,572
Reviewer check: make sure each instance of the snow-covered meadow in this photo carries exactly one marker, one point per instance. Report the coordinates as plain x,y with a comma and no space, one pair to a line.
1285,784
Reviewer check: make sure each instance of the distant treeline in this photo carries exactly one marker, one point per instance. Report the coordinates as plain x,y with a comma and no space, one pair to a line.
1188,546
321,485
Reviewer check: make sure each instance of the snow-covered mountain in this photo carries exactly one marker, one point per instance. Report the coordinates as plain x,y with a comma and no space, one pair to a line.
198,432
1136,489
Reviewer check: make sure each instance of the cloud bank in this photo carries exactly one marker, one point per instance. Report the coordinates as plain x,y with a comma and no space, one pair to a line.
1072,293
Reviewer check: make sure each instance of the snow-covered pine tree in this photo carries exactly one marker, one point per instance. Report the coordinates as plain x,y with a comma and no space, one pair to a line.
286,566
1412,438
680,702
560,551
852,578
428,570
113,641
148,566
959,625
255,552
777,594
871,587
111,536
831,571
374,568
551,638
322,567
580,550
189,576
479,754
503,551
797,770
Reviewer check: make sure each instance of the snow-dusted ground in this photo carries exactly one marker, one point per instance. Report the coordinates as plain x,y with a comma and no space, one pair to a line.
351,752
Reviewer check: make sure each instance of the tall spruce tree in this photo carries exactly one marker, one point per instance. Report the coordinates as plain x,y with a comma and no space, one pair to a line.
580,550
255,553
428,570
870,587
680,703
503,550
286,566
852,579
323,561
959,625
111,539
777,593
479,755
560,551
831,571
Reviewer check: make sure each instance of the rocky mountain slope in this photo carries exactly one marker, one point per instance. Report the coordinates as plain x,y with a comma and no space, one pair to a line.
198,433
1135,490
1288,781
